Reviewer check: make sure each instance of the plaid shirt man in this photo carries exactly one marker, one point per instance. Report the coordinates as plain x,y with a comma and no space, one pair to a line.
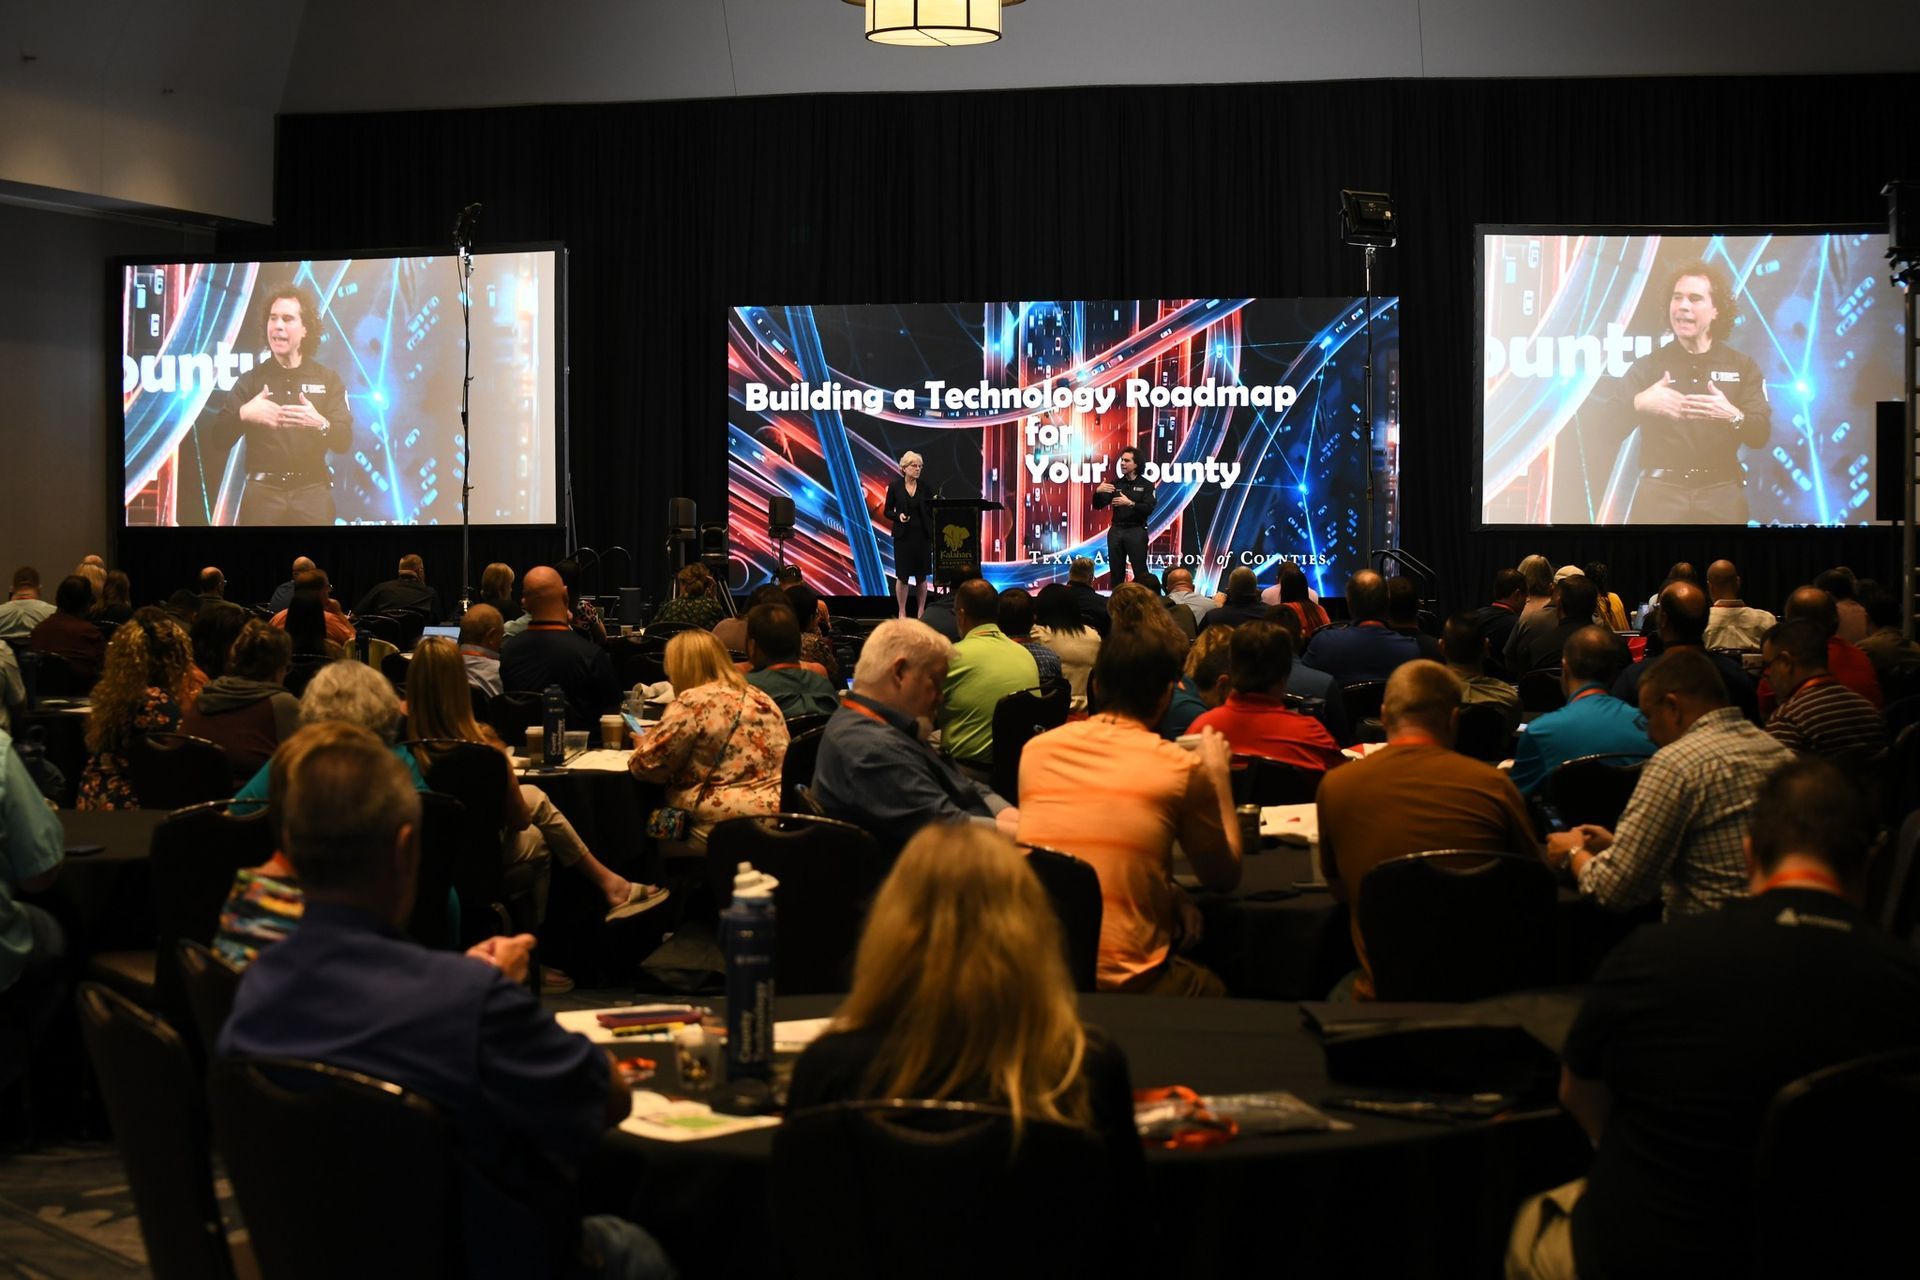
1680,836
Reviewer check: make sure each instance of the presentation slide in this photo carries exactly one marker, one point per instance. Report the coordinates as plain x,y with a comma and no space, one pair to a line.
1246,413
1683,379
319,392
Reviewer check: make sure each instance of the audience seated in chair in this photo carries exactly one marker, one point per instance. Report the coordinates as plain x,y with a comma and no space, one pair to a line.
1593,723
1112,792
481,635
719,746
960,991
247,711
406,592
1015,616
1682,625
1845,662
1886,646
143,690
314,586
32,943
1732,623
875,769
283,594
1419,796
1686,1034
347,989
1255,717
1680,837
1818,715
1495,621
1204,682
1240,601
550,651
773,651
1538,637
1366,648
1059,624
24,609
1463,646
69,633
693,602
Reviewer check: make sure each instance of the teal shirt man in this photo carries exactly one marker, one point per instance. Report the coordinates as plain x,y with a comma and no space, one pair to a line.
1593,723
986,667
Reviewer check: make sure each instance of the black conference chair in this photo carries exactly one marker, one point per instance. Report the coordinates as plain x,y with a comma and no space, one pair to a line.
394,667
302,668
1455,924
174,770
380,626
828,873
1362,701
873,1189
514,712
196,853
152,1095
1898,684
381,1159
55,677
797,725
443,829
478,777
1018,718
796,768
1258,780
1593,788
1074,889
1481,733
1541,691
1817,1164
210,984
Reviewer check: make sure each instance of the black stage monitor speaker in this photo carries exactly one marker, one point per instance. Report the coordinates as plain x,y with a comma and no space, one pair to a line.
682,518
780,516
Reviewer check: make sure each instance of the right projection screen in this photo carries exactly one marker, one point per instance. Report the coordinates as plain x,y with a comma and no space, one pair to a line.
1683,378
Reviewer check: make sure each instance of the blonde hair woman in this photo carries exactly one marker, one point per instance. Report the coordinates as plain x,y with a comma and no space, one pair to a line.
960,991
143,688
908,509
720,744
440,705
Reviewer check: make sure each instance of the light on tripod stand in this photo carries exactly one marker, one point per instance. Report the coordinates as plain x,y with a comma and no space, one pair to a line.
1366,219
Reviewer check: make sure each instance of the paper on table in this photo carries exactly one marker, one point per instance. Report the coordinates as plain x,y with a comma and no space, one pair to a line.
1293,823
600,760
793,1036
586,1022
667,1119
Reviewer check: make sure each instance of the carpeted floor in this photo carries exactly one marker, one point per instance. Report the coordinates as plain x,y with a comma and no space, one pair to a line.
66,1213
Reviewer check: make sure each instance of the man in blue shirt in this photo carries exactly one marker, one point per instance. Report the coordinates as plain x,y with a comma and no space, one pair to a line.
1593,723
1365,649
550,651
1683,614
32,946
347,988
874,769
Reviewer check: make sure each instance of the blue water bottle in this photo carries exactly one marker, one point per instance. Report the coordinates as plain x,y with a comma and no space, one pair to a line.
747,937
554,717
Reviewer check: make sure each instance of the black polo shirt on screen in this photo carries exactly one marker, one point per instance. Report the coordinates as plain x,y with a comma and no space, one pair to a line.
1694,1025
551,653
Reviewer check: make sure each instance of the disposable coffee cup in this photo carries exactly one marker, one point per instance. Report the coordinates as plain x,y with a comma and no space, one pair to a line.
536,742
611,729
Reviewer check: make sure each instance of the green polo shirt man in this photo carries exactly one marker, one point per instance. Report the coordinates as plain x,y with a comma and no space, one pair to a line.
986,667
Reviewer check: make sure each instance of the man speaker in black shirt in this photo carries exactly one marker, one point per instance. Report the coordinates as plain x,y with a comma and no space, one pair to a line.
292,412
1132,501
1696,400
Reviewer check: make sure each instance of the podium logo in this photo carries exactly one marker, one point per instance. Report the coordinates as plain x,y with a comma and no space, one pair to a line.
956,535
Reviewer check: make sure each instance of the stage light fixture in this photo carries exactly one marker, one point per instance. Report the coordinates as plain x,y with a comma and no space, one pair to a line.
933,24
1366,219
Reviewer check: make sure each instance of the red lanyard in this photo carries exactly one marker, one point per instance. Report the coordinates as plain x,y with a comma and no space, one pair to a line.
867,711
1811,682
1818,879
1594,692
1409,739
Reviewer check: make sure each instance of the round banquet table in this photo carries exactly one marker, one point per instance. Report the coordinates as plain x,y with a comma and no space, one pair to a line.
104,900
1386,1198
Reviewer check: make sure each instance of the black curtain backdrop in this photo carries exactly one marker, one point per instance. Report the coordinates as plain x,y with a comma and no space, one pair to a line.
674,211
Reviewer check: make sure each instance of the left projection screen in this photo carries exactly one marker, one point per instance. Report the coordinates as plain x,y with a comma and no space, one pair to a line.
327,391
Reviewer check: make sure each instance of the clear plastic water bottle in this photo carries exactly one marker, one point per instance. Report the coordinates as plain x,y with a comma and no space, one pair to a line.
554,718
747,937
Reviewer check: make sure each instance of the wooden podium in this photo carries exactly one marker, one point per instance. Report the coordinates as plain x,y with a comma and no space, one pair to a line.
956,536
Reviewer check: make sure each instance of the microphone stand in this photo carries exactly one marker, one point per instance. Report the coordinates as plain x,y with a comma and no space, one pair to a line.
463,242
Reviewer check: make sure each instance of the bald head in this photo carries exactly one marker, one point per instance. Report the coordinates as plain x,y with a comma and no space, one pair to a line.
1590,655
1367,597
1180,580
544,595
1683,614
303,564
1723,580
1816,606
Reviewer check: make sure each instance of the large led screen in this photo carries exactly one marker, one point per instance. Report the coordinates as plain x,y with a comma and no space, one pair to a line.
319,392
1246,413
1683,379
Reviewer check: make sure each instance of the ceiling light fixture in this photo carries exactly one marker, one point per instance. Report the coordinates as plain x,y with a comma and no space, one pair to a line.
932,24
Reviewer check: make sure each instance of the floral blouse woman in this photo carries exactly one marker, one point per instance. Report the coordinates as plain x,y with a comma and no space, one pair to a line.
143,689
719,746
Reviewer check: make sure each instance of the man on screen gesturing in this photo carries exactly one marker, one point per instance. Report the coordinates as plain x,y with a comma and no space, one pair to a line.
1696,400
292,412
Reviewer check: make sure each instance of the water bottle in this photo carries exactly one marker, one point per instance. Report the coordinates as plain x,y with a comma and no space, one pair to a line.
554,717
747,936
